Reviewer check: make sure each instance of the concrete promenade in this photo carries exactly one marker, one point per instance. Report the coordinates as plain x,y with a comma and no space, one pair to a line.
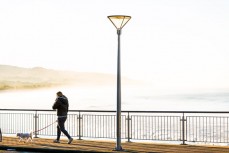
46,145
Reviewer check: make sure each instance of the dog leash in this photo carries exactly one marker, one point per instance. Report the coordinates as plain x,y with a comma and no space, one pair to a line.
45,127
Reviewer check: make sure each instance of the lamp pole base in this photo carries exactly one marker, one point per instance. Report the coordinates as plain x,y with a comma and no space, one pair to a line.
118,149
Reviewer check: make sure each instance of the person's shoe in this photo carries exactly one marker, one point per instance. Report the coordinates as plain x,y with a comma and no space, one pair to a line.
70,140
56,141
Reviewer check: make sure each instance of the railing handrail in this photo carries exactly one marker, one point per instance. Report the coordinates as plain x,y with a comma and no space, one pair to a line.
125,111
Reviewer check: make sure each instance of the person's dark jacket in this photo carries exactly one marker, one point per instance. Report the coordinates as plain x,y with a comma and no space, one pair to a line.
61,104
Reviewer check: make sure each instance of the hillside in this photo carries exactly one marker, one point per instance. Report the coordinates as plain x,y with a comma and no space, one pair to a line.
12,77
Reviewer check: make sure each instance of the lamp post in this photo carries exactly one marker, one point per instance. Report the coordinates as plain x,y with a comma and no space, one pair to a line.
119,21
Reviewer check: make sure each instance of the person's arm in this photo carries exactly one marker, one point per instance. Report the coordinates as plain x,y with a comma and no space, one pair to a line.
56,104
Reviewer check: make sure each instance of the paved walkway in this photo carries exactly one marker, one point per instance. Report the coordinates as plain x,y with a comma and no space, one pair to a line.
46,145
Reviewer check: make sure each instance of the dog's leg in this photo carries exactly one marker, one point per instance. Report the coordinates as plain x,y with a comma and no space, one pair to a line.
31,136
30,139
20,139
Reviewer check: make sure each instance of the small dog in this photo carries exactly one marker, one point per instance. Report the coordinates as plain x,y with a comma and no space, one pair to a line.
25,136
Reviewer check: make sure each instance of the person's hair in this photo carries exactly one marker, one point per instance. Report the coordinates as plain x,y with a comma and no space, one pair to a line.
59,93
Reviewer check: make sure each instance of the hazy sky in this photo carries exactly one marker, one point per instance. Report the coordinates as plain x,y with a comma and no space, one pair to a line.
170,42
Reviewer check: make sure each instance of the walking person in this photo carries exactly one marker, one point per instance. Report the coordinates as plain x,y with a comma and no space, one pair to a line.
61,105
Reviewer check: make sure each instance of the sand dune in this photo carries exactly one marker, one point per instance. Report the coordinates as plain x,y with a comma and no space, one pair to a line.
13,77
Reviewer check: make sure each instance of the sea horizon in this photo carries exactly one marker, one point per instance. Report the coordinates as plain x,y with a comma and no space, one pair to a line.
104,98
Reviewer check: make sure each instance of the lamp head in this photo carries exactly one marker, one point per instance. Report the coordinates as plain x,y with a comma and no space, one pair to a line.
119,21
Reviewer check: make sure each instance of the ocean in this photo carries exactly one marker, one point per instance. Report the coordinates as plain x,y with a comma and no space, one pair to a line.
133,98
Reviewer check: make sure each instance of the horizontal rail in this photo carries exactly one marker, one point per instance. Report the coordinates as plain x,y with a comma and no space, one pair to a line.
126,111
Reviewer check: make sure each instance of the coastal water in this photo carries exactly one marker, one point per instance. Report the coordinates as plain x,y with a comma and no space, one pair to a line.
104,98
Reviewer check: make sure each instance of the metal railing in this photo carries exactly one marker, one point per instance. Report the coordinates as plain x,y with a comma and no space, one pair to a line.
180,126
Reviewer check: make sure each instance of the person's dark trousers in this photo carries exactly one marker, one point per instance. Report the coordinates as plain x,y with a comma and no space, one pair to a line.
61,128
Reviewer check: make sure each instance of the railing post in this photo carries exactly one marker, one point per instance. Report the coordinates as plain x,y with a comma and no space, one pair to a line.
183,129
79,122
36,124
0,135
128,127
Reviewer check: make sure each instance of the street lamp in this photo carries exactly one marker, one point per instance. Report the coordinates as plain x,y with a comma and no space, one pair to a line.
119,21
